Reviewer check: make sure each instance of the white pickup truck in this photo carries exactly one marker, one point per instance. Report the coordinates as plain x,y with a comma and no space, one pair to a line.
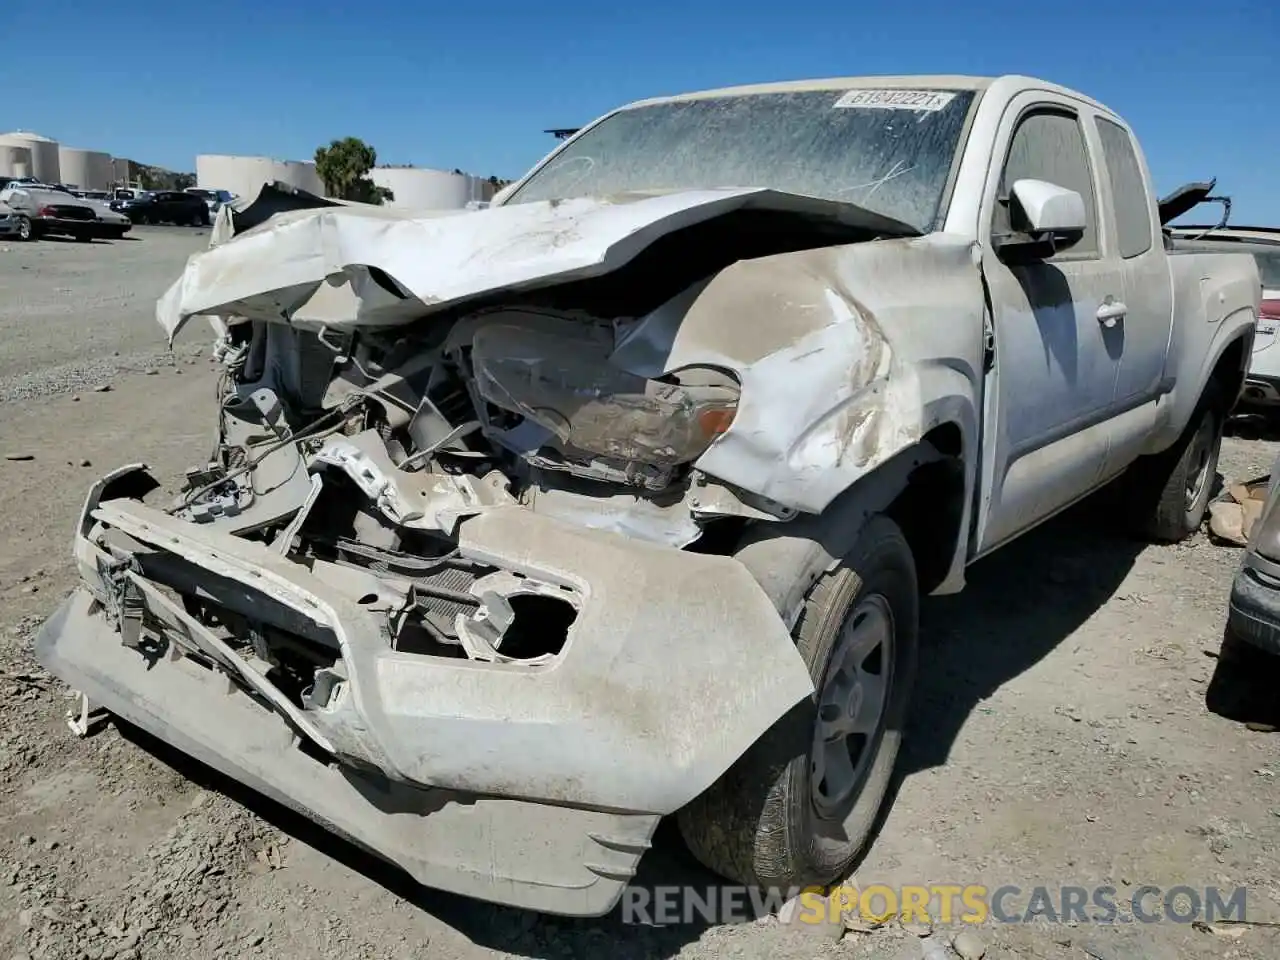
529,526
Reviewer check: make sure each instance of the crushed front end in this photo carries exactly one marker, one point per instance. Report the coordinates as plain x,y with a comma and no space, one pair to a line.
441,588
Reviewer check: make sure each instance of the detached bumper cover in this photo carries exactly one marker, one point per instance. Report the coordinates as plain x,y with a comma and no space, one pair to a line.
530,855
676,664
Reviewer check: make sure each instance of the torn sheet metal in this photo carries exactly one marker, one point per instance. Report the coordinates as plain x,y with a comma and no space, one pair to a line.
422,500
854,353
845,353
431,262
620,720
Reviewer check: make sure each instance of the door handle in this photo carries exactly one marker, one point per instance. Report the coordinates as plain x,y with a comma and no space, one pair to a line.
1111,311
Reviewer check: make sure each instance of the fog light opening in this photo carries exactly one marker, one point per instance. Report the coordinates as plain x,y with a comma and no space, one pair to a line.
539,627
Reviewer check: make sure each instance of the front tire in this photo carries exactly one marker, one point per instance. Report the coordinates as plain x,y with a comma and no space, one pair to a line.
800,806
1170,491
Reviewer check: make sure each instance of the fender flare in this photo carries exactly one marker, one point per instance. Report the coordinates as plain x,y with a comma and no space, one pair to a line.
786,559
1182,403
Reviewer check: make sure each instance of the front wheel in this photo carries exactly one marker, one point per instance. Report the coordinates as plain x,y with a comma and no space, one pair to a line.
24,229
1170,491
800,806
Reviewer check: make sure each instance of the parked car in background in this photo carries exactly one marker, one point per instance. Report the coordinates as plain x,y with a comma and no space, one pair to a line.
11,222
214,199
1253,613
7,181
97,200
165,206
1262,388
44,210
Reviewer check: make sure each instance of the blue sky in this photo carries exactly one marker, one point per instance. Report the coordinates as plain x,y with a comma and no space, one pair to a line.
473,85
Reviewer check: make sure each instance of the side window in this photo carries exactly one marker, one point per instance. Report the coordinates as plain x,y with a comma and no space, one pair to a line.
1268,269
1128,189
1050,146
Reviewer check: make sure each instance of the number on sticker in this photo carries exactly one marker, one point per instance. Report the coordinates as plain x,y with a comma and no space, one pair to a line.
930,100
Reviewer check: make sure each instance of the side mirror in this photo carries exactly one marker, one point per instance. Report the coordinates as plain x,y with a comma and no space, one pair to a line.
1046,217
1049,208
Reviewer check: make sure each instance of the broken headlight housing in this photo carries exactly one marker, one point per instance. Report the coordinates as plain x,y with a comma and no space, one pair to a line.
584,405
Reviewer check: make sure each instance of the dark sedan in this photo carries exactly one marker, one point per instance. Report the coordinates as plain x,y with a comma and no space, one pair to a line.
165,207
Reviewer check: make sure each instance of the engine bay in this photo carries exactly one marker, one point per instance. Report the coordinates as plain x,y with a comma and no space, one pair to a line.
360,454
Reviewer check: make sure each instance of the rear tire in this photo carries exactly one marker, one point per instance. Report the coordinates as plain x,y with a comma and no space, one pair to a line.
25,233
1169,492
792,811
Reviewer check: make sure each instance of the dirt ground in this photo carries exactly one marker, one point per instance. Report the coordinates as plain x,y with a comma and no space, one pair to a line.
1075,725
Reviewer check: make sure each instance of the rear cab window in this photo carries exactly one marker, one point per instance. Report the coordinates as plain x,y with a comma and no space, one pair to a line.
1269,269
1128,189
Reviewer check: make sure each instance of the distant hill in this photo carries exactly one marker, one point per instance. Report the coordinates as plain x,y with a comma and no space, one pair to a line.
157,178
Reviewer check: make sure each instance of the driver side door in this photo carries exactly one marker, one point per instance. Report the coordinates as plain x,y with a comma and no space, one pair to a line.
1051,390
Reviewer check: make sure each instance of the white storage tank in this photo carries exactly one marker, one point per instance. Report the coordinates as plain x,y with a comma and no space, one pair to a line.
419,189
244,176
86,169
44,154
15,162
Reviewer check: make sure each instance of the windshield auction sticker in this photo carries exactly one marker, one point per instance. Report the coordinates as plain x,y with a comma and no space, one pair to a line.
867,99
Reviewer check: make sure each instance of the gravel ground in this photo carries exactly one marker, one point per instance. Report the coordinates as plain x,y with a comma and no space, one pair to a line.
75,314
1075,725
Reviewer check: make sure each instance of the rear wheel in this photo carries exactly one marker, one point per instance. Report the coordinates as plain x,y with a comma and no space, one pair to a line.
1169,493
24,229
800,806
83,237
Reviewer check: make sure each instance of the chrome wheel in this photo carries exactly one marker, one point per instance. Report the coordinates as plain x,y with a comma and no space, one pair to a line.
24,228
851,707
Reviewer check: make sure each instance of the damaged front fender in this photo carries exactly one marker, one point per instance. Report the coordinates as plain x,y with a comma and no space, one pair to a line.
854,354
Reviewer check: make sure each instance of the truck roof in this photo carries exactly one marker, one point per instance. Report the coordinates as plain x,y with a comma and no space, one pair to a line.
913,81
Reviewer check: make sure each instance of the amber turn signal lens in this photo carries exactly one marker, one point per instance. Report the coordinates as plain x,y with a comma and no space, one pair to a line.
715,420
